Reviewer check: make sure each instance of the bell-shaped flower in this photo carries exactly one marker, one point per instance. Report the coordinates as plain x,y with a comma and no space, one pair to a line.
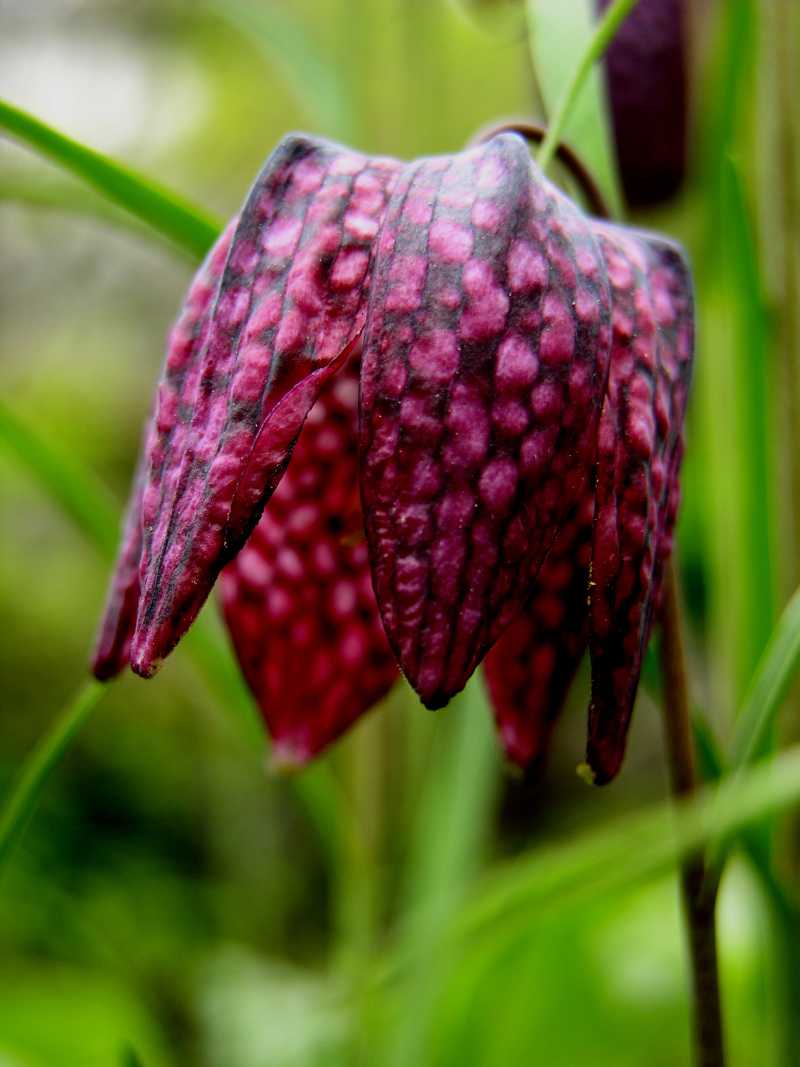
413,413
646,72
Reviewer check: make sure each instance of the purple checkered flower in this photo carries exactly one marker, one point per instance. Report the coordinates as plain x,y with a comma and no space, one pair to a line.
414,413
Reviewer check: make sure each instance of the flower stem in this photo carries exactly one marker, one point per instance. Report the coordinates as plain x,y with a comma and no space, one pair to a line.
601,39
699,904
20,803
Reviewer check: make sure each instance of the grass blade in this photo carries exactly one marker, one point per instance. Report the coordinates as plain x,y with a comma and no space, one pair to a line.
83,498
169,214
565,43
774,674
34,189
450,825
21,801
76,490
619,855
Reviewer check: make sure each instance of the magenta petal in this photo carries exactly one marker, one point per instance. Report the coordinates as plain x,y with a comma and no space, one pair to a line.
162,442
298,598
291,303
639,452
530,668
485,361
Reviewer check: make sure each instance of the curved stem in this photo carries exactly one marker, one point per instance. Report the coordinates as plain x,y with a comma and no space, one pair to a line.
21,801
536,134
699,905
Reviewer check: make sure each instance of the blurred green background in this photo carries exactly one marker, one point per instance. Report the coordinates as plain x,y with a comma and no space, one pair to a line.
174,904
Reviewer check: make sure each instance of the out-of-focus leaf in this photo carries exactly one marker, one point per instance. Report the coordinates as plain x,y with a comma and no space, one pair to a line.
449,830
733,375
169,214
76,490
43,191
129,1058
774,674
19,806
624,853
52,1015
83,498
286,45
710,762
502,18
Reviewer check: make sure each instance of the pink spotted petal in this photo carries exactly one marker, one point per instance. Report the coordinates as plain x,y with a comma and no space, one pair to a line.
530,668
162,443
290,305
639,452
298,598
485,360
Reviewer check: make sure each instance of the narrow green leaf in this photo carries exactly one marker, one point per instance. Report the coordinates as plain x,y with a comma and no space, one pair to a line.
76,490
169,214
450,827
711,762
35,189
774,674
565,43
83,498
19,805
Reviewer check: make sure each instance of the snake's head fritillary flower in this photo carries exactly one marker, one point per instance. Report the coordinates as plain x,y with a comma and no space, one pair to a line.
413,413
647,76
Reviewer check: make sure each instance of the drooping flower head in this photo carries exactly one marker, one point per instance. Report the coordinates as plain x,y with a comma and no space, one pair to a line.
414,413
647,79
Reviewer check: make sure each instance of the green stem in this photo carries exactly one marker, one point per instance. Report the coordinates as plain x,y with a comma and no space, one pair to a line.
169,214
601,39
785,921
787,189
452,819
20,803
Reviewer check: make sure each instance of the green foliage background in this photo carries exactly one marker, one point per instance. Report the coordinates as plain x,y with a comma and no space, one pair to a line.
173,904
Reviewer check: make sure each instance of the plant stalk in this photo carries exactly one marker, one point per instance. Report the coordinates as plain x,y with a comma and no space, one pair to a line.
699,905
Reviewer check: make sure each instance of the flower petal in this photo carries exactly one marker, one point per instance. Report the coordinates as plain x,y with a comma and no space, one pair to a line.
485,360
639,453
298,598
290,306
530,668
163,440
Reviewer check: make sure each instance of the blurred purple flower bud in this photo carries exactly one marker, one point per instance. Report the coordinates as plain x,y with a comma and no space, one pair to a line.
647,85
